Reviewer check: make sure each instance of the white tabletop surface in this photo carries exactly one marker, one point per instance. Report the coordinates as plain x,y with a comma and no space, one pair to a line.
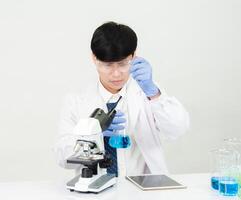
198,187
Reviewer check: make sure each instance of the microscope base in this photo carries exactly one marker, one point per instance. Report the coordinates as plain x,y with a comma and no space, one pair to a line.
94,184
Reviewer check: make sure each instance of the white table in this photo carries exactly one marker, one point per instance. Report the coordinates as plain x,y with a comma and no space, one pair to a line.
198,187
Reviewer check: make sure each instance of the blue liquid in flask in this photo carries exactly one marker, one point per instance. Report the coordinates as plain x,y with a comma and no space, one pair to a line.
215,182
228,186
120,141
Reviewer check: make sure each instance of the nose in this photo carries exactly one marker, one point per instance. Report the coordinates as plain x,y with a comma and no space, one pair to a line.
116,72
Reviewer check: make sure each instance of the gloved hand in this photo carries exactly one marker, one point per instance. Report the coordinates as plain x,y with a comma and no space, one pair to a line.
141,71
116,125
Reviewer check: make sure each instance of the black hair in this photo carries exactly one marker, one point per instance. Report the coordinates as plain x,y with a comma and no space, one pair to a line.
113,42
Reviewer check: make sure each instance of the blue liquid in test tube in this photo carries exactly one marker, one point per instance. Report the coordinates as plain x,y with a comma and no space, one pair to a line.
228,186
215,182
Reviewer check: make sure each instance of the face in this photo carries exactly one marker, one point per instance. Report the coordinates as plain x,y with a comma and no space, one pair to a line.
113,75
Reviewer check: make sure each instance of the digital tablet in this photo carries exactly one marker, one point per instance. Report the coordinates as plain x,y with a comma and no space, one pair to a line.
155,182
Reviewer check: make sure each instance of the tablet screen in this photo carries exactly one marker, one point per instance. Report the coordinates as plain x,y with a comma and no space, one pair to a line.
146,182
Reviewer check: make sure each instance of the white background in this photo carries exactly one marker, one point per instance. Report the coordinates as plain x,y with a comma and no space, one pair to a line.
194,47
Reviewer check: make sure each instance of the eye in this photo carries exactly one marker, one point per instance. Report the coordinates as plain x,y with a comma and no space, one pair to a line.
123,64
108,64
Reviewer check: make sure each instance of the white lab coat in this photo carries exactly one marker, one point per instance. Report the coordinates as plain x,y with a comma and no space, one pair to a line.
149,120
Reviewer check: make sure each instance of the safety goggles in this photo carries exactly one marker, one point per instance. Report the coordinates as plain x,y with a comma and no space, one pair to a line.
108,67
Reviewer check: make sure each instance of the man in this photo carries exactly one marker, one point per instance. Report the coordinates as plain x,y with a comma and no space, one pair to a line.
145,112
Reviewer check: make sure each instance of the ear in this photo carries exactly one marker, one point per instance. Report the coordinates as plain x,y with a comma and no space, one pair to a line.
94,58
134,55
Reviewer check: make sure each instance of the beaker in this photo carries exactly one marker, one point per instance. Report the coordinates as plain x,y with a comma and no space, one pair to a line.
234,144
120,140
223,168
228,184
214,169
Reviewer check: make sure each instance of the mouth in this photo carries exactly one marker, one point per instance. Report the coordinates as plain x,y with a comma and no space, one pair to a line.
117,82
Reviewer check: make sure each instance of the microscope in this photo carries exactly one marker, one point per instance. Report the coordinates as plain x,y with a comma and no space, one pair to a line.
89,153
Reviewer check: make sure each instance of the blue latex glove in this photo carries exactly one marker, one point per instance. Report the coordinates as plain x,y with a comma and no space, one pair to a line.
116,125
141,71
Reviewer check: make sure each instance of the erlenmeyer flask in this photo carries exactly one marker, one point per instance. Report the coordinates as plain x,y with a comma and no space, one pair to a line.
120,140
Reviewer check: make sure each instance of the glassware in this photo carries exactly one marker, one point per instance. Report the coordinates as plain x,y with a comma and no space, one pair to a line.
234,144
223,170
228,184
214,169
120,140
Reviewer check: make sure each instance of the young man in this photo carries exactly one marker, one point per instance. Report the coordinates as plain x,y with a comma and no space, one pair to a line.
145,112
